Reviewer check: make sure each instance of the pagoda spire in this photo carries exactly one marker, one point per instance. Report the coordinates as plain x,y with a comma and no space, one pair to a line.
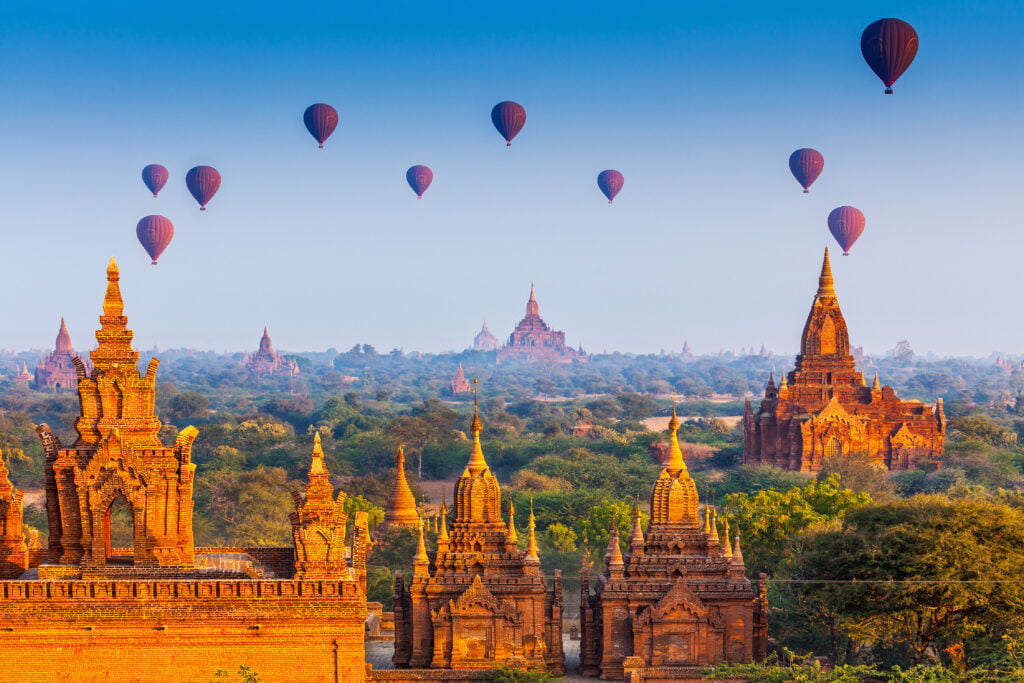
532,307
477,463
725,546
114,339
442,535
6,487
876,384
63,343
513,537
532,552
674,463
826,283
400,509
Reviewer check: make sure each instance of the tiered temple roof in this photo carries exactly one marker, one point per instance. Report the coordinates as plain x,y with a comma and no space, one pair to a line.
266,362
534,340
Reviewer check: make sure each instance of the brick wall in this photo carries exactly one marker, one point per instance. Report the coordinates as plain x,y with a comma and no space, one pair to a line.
144,631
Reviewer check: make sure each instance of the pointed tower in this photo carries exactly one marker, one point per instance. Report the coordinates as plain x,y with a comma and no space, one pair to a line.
266,362
400,509
824,409
118,455
459,384
675,587
13,551
479,600
533,339
484,340
318,524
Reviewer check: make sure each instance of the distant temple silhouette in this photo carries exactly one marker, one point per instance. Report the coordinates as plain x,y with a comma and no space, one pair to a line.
485,341
824,407
534,340
459,384
57,370
267,362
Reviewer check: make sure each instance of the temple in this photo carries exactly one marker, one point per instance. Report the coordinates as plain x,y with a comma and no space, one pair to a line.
24,378
484,340
57,370
161,604
824,408
478,601
400,509
678,598
534,340
266,362
459,384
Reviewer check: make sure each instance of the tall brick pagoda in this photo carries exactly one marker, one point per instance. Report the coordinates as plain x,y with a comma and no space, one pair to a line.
478,602
679,598
163,606
266,362
484,340
824,407
400,509
534,340
57,370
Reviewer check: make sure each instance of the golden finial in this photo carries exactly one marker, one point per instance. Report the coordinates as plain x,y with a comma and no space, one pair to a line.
714,524
737,553
421,548
725,546
512,536
826,283
476,457
532,552
614,551
442,535
636,535
477,426
316,466
113,304
674,462
876,385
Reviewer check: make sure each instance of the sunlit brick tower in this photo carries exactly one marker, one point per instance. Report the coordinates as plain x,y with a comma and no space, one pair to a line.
400,509
118,455
13,551
825,408
478,602
679,598
57,371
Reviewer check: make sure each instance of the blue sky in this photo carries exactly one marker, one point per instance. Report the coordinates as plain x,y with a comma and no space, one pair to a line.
699,107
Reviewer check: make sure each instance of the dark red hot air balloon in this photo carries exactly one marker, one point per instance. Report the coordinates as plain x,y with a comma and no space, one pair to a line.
889,46
806,165
610,182
508,118
155,233
321,120
203,182
846,224
419,178
155,177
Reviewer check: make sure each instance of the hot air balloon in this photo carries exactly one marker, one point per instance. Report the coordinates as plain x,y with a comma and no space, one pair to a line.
846,224
419,178
889,46
155,233
508,118
155,177
610,182
806,165
321,120
203,182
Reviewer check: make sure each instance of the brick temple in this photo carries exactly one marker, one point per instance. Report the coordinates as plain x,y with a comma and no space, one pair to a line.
678,598
459,383
81,610
484,340
534,340
400,508
57,370
824,407
266,362
478,601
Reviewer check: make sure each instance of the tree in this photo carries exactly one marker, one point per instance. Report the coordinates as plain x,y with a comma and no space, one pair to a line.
637,406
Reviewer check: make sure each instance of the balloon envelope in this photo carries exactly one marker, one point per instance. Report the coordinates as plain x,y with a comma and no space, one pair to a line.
806,165
155,233
155,177
610,182
419,178
508,118
321,120
846,224
203,182
889,46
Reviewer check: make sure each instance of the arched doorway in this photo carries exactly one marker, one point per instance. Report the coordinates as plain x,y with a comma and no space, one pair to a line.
119,532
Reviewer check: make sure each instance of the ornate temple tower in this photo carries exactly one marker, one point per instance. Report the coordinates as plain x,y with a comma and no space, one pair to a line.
534,340
400,509
824,408
679,598
118,455
13,551
24,377
460,385
57,370
266,362
478,602
484,340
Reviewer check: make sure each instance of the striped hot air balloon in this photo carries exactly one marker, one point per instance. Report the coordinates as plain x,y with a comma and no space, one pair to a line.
806,165
155,177
508,118
154,233
610,182
846,224
321,120
203,182
419,178
889,46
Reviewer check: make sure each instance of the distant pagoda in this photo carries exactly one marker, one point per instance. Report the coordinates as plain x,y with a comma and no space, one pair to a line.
460,385
267,362
485,341
24,377
534,340
57,370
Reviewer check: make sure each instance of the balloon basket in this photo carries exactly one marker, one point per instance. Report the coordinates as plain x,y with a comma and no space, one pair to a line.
508,144
846,253
152,263
807,191
419,196
609,201
321,146
154,195
888,91
202,208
